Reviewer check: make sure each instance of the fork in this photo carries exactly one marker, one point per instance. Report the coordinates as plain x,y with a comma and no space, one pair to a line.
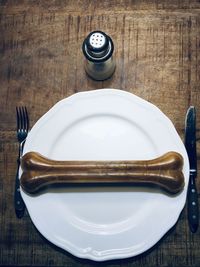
22,132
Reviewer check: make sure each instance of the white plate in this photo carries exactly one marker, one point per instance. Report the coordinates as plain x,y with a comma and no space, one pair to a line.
104,223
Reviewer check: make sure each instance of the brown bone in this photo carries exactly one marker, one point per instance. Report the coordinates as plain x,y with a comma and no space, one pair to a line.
164,171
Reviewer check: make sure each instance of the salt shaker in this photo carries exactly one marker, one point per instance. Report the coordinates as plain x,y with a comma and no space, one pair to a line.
98,50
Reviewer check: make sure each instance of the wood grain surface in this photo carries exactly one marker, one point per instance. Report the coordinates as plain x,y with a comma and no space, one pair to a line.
157,52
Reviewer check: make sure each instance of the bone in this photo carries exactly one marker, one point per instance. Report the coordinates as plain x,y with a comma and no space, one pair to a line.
40,172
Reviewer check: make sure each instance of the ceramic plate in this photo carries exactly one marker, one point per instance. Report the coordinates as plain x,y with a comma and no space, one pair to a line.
104,223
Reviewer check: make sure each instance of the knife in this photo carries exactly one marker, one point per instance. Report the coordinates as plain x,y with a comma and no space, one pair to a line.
190,144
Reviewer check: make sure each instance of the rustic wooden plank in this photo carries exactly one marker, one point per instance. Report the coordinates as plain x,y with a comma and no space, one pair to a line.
88,6
157,51
41,66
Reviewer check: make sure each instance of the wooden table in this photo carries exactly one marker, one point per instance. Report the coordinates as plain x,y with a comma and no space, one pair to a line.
157,52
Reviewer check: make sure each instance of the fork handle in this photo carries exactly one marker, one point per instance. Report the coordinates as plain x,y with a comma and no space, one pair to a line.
18,201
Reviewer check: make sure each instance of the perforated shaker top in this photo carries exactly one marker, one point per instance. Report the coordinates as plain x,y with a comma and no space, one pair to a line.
97,40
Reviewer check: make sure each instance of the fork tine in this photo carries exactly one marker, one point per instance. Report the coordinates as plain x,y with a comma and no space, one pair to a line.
26,119
18,119
23,119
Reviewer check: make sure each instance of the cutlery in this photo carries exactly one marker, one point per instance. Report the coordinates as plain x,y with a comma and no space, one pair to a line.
22,131
190,144
164,171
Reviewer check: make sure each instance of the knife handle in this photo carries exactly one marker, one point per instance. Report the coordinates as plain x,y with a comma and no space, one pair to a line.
164,171
193,207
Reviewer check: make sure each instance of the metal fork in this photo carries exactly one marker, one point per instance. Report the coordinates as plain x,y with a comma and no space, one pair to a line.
22,132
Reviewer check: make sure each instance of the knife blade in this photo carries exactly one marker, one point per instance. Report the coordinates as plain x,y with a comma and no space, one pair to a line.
190,144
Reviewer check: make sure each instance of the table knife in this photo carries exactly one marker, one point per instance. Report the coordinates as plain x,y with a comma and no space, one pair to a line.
190,144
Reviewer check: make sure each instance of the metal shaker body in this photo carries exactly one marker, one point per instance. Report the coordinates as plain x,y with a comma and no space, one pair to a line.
98,49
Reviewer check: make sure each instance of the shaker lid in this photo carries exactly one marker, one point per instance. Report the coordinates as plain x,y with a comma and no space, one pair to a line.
98,46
